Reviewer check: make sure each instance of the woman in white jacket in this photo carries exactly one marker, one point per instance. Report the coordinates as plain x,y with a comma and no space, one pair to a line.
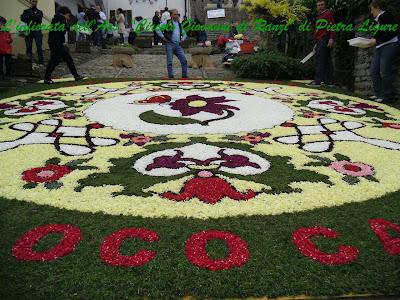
121,24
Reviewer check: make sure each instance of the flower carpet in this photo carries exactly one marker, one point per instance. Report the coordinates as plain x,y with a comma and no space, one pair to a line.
167,189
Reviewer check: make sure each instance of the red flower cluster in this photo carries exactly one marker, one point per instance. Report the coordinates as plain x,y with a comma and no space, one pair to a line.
391,125
209,190
23,248
48,173
255,138
109,249
195,249
302,239
391,244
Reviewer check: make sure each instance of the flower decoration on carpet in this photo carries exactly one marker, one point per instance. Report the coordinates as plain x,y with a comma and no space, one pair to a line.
67,115
90,99
4,106
187,85
195,249
141,139
54,94
253,138
352,171
302,240
203,170
206,185
308,114
23,249
34,107
195,104
52,172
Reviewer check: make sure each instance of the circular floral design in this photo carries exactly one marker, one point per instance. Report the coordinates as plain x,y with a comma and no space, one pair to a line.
198,151
46,174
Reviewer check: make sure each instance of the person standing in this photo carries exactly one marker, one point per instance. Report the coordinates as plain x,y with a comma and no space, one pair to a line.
93,16
100,21
58,51
387,46
33,16
5,49
156,22
166,15
80,16
173,36
325,41
121,24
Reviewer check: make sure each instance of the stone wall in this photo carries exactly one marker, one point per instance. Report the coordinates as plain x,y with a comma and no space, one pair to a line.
363,58
233,13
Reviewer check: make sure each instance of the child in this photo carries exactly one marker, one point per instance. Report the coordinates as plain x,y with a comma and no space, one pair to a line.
5,48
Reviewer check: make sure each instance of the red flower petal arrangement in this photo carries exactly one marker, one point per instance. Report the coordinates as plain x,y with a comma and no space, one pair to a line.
23,248
52,172
195,249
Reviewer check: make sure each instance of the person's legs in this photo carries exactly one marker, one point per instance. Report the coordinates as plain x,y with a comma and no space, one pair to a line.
1,65
38,36
69,61
169,47
121,38
7,59
180,54
28,43
376,73
322,57
55,57
388,57
328,79
156,38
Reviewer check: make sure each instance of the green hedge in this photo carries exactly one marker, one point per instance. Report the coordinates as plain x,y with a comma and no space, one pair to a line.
271,65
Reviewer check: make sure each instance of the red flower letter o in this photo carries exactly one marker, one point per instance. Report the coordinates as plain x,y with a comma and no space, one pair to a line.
197,255
109,249
391,244
23,248
302,240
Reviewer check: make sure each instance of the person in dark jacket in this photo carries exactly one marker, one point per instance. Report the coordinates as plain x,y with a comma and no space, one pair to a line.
156,22
93,16
5,49
57,49
325,41
387,48
33,16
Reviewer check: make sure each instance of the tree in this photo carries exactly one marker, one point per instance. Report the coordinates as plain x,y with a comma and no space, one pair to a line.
276,11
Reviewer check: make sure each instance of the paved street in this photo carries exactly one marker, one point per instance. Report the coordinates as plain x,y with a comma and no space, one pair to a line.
98,65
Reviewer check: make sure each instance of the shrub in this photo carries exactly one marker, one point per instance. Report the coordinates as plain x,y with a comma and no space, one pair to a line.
271,65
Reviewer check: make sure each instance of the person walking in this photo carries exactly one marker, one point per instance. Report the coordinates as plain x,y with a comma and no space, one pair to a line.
325,41
121,24
173,37
33,16
5,49
58,51
387,46
156,22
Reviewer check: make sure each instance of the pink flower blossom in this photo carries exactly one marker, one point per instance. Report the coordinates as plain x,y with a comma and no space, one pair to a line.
355,169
